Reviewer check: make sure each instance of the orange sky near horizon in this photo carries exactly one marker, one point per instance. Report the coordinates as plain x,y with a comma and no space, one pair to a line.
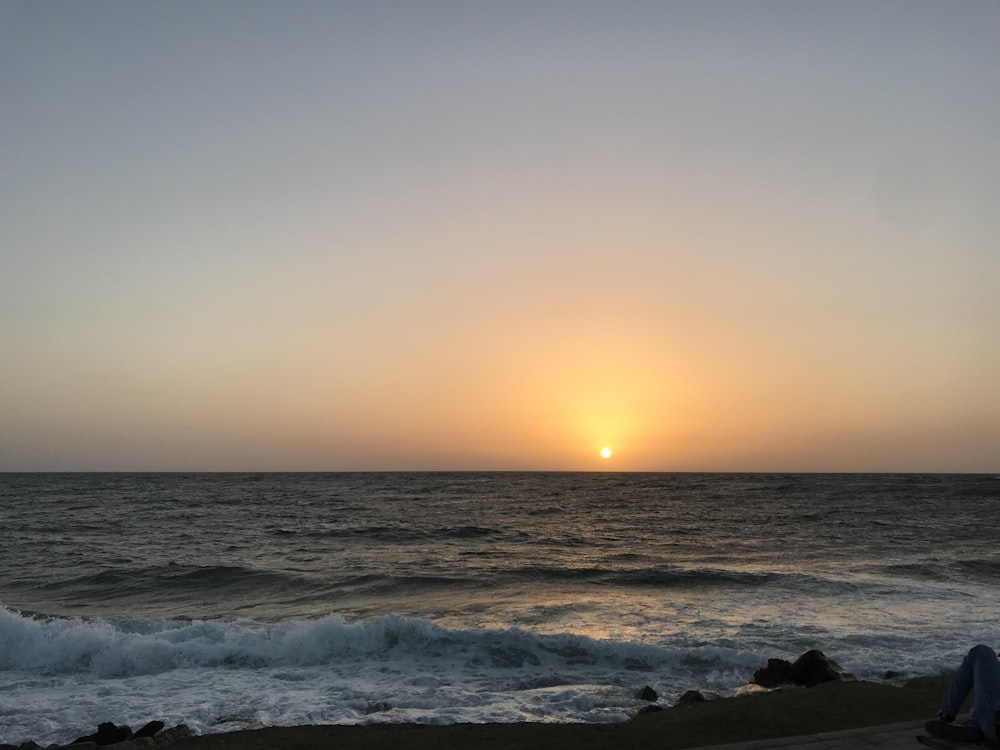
754,236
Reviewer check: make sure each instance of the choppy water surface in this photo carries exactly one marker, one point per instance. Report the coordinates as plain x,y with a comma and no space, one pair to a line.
229,601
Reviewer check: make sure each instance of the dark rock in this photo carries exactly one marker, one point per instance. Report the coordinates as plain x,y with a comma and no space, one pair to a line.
149,729
814,667
109,734
647,694
29,745
651,709
691,696
775,673
809,669
891,674
174,734
696,696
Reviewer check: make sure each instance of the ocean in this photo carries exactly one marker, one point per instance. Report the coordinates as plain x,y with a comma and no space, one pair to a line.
231,601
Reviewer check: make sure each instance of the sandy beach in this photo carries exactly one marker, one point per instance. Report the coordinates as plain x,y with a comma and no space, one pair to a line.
791,712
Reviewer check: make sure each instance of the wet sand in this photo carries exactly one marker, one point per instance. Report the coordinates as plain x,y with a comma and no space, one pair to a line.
791,712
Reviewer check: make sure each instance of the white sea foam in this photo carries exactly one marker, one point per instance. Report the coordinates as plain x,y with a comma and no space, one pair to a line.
59,677
62,676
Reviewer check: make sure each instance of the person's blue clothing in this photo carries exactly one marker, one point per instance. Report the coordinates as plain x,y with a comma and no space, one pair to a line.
980,675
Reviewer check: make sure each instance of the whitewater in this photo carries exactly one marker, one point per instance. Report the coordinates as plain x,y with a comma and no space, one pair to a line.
239,601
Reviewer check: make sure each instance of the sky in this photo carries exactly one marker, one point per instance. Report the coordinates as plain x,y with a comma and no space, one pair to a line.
746,235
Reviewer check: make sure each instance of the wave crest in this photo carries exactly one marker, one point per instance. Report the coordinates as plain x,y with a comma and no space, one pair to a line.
117,648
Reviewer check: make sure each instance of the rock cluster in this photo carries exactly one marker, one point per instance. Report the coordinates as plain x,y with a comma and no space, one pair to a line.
810,668
122,737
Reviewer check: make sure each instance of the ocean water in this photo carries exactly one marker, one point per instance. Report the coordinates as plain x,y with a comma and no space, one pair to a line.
228,601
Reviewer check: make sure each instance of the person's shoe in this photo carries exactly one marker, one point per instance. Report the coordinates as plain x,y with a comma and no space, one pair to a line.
948,731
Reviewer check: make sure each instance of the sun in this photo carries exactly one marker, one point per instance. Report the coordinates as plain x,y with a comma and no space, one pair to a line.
605,453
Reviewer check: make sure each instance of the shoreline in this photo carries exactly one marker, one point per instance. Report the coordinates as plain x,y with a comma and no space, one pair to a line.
828,707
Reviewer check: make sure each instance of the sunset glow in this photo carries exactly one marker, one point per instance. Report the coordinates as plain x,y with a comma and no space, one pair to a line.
605,453
445,236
